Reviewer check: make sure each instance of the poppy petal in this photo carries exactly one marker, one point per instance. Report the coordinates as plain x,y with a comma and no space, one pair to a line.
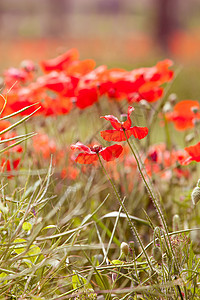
114,121
60,62
183,115
112,152
127,123
139,132
86,158
194,152
113,135
86,97
82,147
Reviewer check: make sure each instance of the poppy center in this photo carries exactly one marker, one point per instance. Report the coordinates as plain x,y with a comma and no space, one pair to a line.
96,148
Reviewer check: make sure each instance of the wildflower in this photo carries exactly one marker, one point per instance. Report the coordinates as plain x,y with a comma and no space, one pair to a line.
184,115
80,67
13,75
86,97
194,154
9,166
44,145
161,161
55,81
28,65
120,128
91,154
60,62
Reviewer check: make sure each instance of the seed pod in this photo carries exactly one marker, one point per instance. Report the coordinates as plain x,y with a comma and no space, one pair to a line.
167,107
145,104
176,222
189,137
172,98
195,195
124,248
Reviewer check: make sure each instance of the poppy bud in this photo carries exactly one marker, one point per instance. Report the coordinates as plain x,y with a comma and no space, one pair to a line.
157,254
167,107
124,248
196,193
172,98
145,104
176,222
189,137
28,66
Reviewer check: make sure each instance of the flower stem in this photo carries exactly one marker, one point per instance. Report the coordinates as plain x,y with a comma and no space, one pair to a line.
132,226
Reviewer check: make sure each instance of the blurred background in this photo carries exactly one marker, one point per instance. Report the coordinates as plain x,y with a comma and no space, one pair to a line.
121,33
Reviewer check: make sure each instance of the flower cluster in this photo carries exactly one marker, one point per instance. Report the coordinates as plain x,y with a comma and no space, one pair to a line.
121,132
70,82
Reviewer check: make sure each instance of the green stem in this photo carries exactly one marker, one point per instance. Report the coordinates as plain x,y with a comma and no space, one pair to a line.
132,226
167,133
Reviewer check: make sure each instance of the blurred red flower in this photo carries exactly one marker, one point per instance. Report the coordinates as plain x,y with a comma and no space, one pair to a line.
184,114
90,154
61,62
78,67
44,145
86,97
120,128
194,154
160,160
9,166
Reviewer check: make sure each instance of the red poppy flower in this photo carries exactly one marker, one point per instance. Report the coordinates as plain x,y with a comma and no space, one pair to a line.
86,97
28,66
118,134
183,115
90,154
61,62
14,76
57,82
161,161
194,154
9,166
81,67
